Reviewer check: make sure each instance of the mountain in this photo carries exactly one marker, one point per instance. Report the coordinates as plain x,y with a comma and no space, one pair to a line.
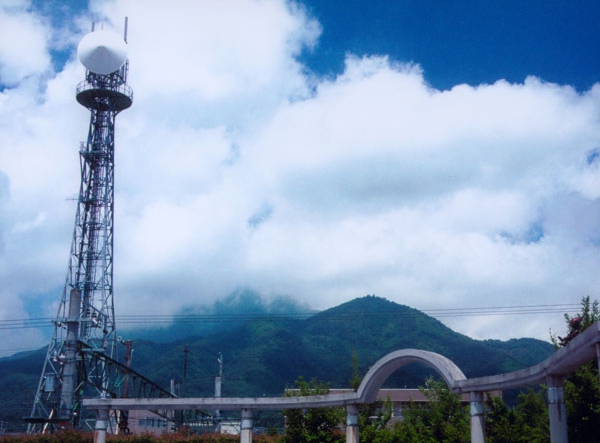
19,378
265,354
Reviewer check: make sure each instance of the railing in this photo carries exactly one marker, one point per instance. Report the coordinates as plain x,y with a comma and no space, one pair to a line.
120,88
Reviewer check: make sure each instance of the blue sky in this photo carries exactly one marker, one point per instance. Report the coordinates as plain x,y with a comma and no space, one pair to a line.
444,155
470,41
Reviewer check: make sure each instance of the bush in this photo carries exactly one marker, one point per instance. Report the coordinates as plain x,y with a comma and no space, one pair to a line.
86,437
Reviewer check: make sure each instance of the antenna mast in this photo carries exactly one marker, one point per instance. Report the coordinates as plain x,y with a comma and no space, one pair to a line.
84,329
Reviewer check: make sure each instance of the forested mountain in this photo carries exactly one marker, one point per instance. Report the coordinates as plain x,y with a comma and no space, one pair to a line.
268,353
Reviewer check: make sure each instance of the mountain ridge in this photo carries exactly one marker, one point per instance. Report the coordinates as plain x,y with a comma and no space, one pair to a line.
267,353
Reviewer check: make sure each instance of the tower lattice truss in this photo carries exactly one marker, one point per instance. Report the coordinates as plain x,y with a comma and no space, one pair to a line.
84,334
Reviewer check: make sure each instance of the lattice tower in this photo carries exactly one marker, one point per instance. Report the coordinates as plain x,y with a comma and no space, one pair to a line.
84,328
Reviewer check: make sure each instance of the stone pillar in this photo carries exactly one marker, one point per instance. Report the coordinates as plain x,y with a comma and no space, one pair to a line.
352,424
477,422
247,424
557,410
101,426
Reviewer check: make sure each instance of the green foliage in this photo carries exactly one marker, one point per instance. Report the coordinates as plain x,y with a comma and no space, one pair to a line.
59,437
318,425
442,420
527,423
178,438
500,422
532,416
590,313
582,388
356,378
373,421
81,437
582,397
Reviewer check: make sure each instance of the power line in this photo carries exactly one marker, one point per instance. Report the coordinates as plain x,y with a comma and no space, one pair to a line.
26,323
44,322
178,319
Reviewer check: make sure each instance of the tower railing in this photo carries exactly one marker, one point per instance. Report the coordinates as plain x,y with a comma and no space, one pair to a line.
119,89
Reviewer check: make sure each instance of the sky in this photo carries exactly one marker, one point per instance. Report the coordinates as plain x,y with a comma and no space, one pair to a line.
443,155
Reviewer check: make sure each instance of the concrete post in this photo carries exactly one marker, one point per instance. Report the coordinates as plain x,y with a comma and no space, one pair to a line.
557,410
218,383
247,424
352,424
101,426
477,421
598,357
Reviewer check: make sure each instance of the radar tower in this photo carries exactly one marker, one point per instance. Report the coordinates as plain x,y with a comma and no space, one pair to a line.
84,335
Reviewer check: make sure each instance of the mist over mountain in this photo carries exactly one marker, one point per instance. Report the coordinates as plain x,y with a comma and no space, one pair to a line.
199,320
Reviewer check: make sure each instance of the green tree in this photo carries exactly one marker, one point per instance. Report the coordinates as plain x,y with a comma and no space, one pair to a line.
356,378
590,313
526,423
500,422
443,419
582,388
315,425
582,396
373,420
532,416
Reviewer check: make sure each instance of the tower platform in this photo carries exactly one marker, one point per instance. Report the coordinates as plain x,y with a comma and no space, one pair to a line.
113,98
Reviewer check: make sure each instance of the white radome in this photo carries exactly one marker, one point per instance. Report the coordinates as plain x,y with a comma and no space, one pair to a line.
102,52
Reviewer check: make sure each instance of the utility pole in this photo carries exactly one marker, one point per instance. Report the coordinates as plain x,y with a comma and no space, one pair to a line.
219,383
124,415
186,352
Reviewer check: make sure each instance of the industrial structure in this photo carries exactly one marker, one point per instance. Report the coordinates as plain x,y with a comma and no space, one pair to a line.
81,360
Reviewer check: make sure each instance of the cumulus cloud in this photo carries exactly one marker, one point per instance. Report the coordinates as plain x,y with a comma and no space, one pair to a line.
236,168
24,46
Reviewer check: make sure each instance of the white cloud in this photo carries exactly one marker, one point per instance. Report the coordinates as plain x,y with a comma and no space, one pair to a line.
235,169
24,43
209,62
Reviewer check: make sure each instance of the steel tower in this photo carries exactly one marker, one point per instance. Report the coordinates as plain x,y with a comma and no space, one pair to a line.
84,336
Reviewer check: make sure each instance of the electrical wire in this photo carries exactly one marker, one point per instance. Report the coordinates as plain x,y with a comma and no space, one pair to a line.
46,322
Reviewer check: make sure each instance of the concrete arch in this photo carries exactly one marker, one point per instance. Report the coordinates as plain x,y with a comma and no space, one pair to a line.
380,371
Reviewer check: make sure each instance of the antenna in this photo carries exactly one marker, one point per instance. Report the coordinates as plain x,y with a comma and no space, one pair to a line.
125,29
102,52
86,307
